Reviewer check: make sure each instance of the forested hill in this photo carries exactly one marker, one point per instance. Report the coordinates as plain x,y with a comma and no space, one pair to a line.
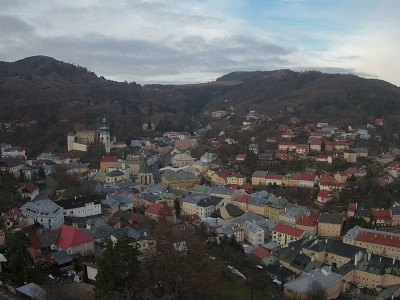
312,95
53,95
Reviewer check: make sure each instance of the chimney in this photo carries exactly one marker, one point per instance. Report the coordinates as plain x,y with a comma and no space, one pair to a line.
356,260
326,241
380,259
75,197
369,256
394,260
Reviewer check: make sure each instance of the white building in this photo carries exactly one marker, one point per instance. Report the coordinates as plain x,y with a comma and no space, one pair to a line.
81,207
45,212
253,233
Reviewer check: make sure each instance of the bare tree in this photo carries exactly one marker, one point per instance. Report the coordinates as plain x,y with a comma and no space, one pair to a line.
315,291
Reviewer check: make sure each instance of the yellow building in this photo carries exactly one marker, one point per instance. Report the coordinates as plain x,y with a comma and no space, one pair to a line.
180,179
330,225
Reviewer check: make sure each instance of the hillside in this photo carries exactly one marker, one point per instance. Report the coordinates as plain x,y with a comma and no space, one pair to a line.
52,95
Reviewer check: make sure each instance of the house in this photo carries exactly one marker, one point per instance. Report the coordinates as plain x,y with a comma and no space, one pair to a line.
288,135
206,206
273,179
292,215
350,156
262,256
28,190
285,234
208,157
394,169
240,157
236,178
200,166
309,223
253,233
382,217
328,280
274,206
361,152
287,146
395,211
31,291
106,162
227,194
330,225
324,196
62,260
74,241
308,180
182,159
159,211
302,149
9,218
279,273
316,145
110,205
98,230
271,140
81,206
45,212
257,204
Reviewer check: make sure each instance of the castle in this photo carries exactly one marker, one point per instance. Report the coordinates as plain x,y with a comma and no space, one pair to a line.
82,139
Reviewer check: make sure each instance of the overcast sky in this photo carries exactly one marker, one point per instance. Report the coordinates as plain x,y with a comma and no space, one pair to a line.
176,41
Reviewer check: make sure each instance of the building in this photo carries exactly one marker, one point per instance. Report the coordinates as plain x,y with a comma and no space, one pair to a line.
259,178
28,190
330,225
328,280
206,206
285,234
180,178
81,206
45,212
294,214
159,211
182,160
74,241
374,241
236,178
106,162
253,233
309,223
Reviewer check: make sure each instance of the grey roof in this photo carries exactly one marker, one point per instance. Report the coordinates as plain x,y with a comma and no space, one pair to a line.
331,218
39,208
31,290
281,272
339,248
156,189
49,238
395,210
324,276
294,211
150,197
222,190
209,201
248,216
98,229
110,202
257,201
126,231
62,257
261,194
264,223
252,226
249,249
121,199
194,198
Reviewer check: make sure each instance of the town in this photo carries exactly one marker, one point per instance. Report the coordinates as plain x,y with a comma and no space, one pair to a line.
311,207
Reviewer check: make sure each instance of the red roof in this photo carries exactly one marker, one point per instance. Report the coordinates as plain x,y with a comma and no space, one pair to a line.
259,253
395,165
71,236
35,244
28,187
136,218
352,207
241,156
109,159
159,209
289,230
324,194
309,126
223,174
191,218
308,177
274,176
311,220
316,142
378,238
246,186
287,144
381,214
244,198
232,186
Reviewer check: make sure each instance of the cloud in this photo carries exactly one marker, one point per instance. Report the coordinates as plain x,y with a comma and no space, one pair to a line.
196,40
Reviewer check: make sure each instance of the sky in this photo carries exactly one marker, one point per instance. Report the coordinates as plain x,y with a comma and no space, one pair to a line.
191,41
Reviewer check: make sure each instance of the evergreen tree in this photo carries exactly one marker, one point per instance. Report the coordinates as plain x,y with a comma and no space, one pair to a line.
118,269
18,257
177,207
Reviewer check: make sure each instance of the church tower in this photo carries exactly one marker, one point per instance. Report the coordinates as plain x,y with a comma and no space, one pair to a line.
105,135
145,176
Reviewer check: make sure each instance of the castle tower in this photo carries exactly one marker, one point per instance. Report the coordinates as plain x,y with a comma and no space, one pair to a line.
70,141
105,135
